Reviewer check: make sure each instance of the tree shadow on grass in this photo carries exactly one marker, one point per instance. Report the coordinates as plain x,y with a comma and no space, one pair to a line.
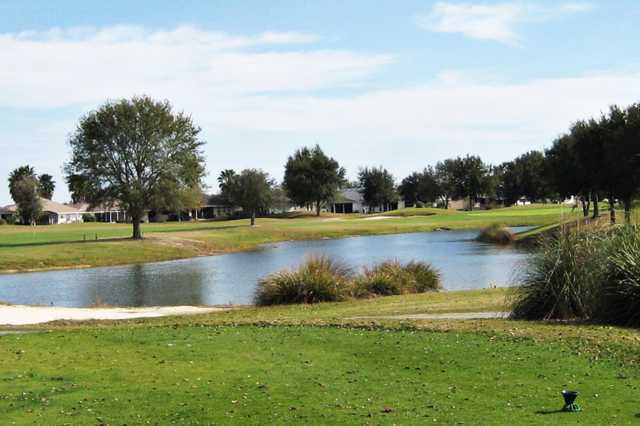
545,412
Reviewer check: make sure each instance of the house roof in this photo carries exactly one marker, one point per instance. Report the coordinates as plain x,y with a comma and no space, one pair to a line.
348,195
54,207
47,206
11,208
86,207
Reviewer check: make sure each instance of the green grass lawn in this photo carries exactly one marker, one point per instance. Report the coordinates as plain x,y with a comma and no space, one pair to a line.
61,246
262,375
322,365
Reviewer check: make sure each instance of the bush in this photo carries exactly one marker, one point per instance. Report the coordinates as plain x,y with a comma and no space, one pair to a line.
392,278
496,234
2,221
563,278
621,290
420,204
319,279
88,217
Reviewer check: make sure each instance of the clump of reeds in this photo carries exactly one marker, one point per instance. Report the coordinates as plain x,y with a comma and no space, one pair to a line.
318,279
321,279
496,234
562,278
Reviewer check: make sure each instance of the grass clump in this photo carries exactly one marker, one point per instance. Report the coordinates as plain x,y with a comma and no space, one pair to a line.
496,234
621,292
319,279
562,277
589,274
394,278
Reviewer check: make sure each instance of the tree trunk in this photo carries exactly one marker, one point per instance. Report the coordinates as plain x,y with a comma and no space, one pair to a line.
317,208
137,233
470,204
627,210
612,209
253,217
596,208
585,207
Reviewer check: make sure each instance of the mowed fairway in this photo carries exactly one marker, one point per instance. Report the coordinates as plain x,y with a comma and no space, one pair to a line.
263,375
44,247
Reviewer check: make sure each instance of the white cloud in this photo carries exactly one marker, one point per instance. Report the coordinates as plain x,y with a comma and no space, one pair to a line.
60,68
496,22
249,99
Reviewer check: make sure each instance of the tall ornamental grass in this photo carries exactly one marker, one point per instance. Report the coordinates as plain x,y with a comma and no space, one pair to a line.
588,274
562,278
321,279
621,292
393,278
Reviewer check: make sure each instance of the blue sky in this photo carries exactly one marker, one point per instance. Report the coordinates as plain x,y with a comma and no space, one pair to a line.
401,84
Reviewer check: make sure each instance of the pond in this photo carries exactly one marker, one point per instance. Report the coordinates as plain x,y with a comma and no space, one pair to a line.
231,278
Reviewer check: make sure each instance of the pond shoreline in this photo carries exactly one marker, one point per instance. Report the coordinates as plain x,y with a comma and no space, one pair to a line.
218,252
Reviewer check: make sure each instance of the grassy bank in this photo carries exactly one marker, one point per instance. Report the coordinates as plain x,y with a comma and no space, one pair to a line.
60,246
322,364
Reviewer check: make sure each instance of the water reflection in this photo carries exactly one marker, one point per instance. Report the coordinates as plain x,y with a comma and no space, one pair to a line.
231,278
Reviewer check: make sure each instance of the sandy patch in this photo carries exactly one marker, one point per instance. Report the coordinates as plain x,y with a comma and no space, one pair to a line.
25,315
379,217
332,219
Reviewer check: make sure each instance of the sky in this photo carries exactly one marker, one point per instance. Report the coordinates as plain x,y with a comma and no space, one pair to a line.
398,84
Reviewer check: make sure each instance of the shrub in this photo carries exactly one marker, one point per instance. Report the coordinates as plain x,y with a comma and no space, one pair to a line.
319,279
392,278
88,217
621,290
496,234
420,204
2,221
562,278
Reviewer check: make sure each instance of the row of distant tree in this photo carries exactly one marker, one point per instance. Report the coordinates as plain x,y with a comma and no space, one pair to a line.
594,160
143,156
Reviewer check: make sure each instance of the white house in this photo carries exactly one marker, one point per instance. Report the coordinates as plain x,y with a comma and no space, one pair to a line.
52,213
350,200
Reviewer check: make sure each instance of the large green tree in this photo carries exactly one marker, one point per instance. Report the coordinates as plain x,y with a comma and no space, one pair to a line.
17,175
47,186
524,177
138,153
250,189
472,178
312,178
25,194
420,187
377,187
79,188
445,175
622,158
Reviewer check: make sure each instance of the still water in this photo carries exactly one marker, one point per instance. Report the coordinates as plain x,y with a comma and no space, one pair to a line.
463,263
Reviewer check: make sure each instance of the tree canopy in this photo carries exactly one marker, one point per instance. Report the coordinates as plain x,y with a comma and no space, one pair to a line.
471,178
25,192
251,189
138,153
524,177
47,186
377,187
420,187
312,178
